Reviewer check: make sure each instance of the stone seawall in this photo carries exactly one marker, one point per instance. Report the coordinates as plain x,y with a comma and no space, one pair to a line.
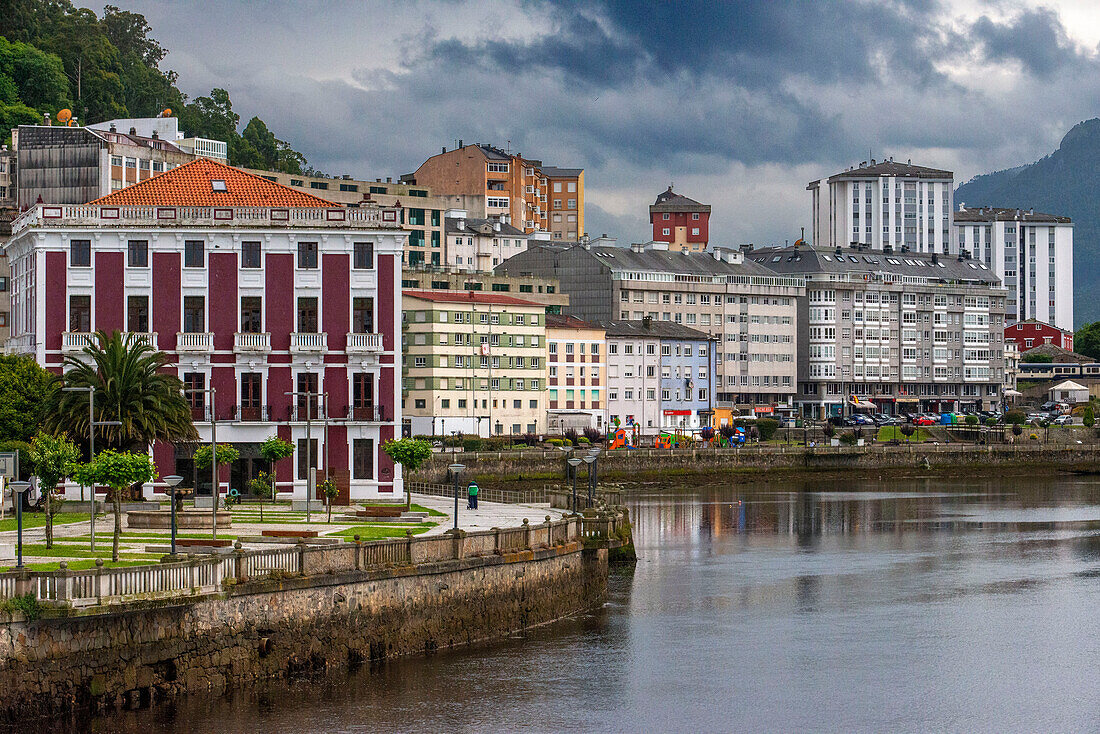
143,651
622,465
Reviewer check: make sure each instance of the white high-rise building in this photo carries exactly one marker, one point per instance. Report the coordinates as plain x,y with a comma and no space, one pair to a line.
884,204
1032,253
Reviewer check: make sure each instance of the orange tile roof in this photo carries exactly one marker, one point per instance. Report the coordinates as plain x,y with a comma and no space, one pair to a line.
189,185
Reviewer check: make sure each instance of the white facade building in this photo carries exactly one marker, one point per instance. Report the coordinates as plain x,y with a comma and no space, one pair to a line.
1031,252
884,204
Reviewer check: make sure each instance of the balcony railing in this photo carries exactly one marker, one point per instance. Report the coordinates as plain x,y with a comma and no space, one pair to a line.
367,413
23,344
142,337
364,343
252,341
252,413
75,341
195,341
308,341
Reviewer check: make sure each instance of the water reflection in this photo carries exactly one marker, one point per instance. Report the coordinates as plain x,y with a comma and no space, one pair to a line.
947,605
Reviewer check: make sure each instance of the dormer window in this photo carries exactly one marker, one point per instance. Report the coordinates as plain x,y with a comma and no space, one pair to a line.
218,185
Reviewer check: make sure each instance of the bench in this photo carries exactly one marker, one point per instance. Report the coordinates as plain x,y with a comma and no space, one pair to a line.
381,511
289,533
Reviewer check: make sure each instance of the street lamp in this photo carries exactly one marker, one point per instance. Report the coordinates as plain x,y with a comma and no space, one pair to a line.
213,453
17,490
456,469
172,480
590,460
593,474
574,462
92,423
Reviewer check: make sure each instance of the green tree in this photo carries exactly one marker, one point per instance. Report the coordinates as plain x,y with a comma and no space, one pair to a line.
767,428
132,386
1033,358
25,390
227,454
262,486
1086,340
410,453
275,449
54,458
117,470
1088,417
329,490
32,76
1015,417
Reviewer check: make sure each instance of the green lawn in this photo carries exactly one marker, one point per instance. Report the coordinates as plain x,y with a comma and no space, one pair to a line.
376,532
431,512
76,565
38,520
890,433
62,550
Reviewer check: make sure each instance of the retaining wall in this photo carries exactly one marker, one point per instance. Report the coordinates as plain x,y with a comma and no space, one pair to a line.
141,651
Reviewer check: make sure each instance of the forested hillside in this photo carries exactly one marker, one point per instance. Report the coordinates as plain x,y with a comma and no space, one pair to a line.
54,56
1066,182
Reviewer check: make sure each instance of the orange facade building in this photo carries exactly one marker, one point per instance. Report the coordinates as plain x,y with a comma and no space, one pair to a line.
532,196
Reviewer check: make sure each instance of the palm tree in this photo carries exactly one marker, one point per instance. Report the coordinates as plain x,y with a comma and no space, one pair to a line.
133,384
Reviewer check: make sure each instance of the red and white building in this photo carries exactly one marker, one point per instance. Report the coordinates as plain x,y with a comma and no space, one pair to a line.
266,294
1031,333
681,222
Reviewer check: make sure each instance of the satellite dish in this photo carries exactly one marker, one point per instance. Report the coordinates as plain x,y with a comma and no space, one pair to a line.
64,116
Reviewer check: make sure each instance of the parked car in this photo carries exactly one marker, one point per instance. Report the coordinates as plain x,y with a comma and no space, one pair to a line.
1063,420
1036,418
923,420
1048,405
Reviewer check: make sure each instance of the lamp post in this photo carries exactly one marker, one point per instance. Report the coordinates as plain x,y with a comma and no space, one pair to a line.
593,475
456,469
311,476
574,462
172,480
590,460
17,490
92,423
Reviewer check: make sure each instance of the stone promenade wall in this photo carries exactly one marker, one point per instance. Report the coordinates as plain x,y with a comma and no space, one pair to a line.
622,465
150,650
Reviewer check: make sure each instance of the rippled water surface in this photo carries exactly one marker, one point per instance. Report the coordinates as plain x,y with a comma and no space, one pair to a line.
924,605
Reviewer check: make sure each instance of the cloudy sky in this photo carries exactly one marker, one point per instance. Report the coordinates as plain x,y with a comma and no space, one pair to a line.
740,104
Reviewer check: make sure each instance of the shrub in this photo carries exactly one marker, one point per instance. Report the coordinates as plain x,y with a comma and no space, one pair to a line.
1034,437
593,435
1016,418
908,430
1089,417
767,428
530,439
991,422
1017,429
726,432
971,420
583,440
707,433
571,435
555,442
848,439
829,429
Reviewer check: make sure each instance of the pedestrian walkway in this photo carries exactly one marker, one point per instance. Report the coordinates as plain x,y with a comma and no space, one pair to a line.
487,515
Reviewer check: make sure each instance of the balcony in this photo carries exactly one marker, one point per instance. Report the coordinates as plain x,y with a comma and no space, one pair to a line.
367,413
308,341
252,413
252,341
195,342
364,343
23,344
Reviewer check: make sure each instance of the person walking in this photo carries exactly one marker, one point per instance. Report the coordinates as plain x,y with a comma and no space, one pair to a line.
471,492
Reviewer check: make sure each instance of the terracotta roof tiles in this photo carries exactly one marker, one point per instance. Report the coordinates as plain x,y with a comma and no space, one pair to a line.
468,297
190,185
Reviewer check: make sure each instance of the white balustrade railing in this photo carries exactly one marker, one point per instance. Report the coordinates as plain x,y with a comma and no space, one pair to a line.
308,341
252,341
69,214
143,337
364,343
194,341
74,341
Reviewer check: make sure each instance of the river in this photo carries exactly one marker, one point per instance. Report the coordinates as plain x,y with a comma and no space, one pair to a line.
867,606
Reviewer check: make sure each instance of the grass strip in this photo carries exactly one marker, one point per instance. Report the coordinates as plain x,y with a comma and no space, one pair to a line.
374,532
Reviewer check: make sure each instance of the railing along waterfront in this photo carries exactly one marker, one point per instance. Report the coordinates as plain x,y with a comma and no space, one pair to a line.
487,494
211,573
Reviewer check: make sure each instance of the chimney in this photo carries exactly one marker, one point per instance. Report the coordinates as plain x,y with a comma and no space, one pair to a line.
46,119
636,247
113,128
647,322
1031,211
839,251
934,259
389,179
133,131
962,206
496,225
461,223
444,148
378,180
460,143
156,135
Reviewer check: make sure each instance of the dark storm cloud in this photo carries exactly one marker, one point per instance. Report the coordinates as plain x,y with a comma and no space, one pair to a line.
1035,38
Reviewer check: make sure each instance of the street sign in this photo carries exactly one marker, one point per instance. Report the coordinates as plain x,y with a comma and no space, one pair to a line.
9,464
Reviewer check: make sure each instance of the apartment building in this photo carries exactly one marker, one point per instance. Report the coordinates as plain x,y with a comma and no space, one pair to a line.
1012,370
475,363
544,291
537,198
8,212
577,377
681,222
884,204
166,127
279,311
1032,254
481,244
894,332
659,376
422,209
749,309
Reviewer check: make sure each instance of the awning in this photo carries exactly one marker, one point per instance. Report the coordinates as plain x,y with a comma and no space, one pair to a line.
907,400
1012,393
856,402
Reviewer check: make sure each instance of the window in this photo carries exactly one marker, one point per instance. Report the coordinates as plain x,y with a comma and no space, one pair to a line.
80,313
137,314
194,384
362,451
362,316
80,253
5,284
251,314
138,253
307,315
364,255
307,395
362,390
250,255
307,255
194,314
305,461
251,394
194,254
